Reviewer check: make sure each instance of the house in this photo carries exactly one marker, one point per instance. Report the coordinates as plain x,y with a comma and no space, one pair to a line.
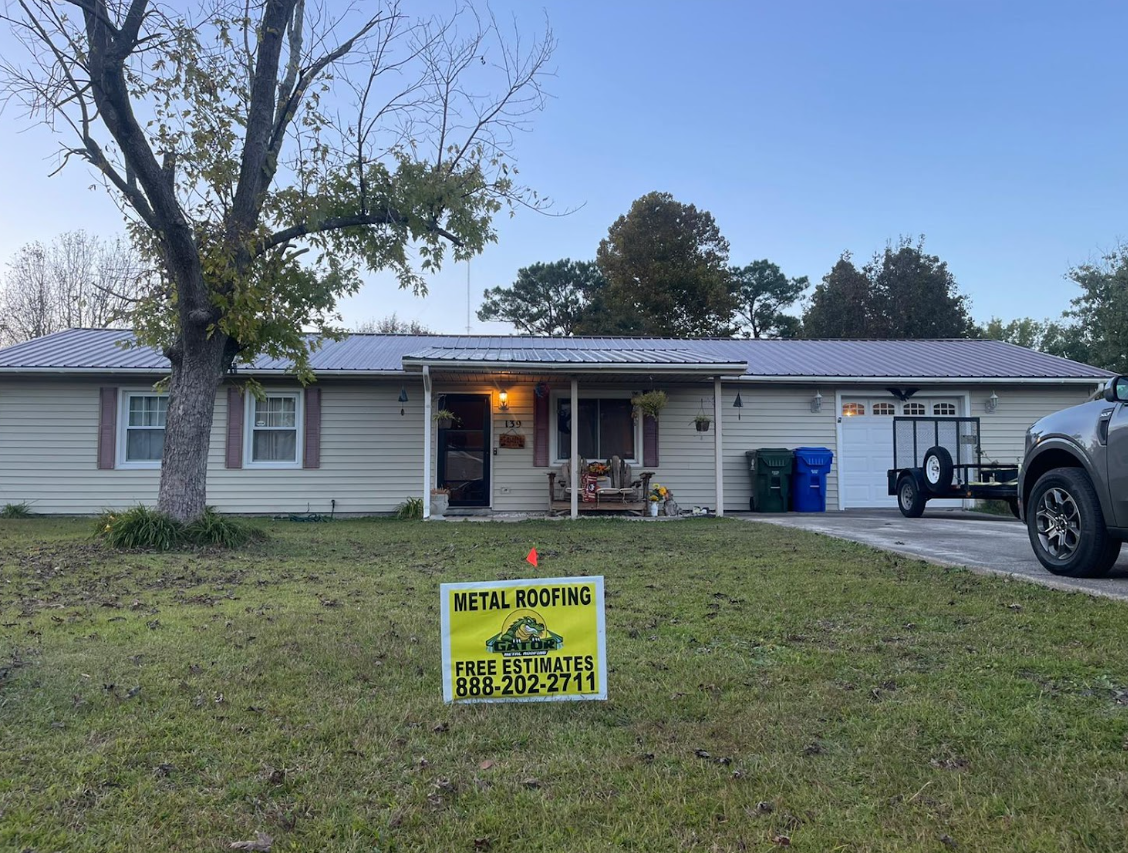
81,426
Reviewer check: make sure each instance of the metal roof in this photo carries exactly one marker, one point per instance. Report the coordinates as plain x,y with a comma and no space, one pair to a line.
575,359
101,351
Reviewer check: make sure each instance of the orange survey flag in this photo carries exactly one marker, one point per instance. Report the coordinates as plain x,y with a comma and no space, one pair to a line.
532,557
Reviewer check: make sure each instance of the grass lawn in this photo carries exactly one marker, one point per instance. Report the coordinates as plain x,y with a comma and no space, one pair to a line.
767,686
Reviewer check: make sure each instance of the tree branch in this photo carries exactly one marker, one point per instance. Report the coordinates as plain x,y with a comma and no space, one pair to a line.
336,223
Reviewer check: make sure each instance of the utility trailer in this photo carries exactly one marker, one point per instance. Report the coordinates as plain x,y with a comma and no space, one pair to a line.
941,458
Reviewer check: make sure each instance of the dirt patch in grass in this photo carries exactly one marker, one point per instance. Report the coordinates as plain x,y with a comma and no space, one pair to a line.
768,687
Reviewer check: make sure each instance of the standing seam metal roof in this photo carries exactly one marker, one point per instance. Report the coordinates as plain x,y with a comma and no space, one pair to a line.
91,350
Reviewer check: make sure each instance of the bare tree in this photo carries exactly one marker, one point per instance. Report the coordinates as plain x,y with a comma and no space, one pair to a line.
264,153
392,325
76,281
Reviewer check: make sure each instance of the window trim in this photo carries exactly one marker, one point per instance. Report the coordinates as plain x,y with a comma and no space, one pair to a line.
249,429
554,433
124,396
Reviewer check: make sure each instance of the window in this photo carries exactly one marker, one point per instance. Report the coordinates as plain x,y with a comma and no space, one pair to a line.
944,410
884,409
852,410
274,431
914,410
141,439
605,425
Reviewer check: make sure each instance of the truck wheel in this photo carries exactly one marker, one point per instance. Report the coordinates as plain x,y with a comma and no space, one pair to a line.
1066,527
909,498
938,470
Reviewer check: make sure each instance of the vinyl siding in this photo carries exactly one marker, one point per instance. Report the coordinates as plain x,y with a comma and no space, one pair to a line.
1003,432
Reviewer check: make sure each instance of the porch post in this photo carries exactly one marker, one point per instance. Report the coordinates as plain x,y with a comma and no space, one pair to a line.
718,442
426,441
575,441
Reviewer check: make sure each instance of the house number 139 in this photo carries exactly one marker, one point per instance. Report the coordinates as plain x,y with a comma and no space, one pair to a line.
512,424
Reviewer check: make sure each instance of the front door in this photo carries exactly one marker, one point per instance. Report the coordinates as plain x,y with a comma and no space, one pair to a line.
464,450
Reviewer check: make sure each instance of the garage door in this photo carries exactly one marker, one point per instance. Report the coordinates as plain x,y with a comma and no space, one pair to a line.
866,449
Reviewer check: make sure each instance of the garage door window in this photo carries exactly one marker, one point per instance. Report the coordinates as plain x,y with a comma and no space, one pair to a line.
887,409
914,410
853,410
944,410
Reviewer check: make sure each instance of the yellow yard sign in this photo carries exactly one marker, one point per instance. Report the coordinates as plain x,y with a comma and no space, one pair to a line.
537,640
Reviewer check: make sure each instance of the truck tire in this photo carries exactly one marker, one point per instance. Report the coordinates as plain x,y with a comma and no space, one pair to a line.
909,498
938,470
1066,527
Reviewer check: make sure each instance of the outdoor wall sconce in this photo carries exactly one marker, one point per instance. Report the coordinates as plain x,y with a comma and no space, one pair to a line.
816,402
503,400
402,398
738,404
992,403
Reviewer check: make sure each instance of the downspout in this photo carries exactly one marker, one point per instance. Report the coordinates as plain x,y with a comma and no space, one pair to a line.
575,444
718,445
427,441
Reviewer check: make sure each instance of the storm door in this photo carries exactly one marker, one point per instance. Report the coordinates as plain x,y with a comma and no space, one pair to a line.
464,449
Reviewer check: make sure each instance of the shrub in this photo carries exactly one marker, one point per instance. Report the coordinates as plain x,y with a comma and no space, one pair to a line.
143,528
410,508
20,510
212,530
139,527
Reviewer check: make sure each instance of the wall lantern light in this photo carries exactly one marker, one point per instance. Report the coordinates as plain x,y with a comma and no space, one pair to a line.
503,400
816,402
992,403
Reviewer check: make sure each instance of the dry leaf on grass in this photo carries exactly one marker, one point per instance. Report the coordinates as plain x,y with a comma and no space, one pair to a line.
485,765
262,843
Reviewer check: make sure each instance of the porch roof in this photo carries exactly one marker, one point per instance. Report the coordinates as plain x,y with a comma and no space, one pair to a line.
590,360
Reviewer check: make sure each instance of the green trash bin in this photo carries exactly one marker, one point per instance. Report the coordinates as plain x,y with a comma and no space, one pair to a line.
770,468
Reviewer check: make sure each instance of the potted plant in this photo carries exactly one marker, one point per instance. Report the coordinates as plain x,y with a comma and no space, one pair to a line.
702,422
443,418
440,499
650,403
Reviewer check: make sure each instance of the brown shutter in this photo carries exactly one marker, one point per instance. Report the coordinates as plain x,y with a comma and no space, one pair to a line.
311,444
234,428
540,429
107,427
650,442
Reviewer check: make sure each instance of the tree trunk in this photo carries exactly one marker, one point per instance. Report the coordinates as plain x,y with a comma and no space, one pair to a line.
198,366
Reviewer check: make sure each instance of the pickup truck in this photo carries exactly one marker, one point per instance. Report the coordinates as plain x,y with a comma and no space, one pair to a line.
1073,484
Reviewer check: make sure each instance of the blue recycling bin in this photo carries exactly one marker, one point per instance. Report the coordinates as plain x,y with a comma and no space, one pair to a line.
808,483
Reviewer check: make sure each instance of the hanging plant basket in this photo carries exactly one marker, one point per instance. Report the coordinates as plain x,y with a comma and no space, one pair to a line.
444,418
702,424
650,404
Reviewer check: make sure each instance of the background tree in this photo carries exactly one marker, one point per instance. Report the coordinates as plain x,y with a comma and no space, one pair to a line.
763,294
392,325
265,153
549,299
1055,337
75,281
667,272
901,293
1100,313
842,305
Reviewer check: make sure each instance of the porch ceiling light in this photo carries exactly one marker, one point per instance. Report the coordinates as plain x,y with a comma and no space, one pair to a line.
816,402
992,403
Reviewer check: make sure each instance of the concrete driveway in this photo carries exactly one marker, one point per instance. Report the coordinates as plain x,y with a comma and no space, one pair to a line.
982,543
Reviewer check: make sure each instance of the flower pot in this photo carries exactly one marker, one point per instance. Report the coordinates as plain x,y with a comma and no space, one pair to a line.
702,426
439,505
653,508
444,423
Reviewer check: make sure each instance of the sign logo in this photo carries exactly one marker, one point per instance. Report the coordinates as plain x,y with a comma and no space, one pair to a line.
524,633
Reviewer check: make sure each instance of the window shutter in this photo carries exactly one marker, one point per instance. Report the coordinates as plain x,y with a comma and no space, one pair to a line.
107,427
540,429
650,442
311,444
234,428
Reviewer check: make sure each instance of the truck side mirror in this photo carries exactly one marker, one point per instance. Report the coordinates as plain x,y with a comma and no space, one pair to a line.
1117,390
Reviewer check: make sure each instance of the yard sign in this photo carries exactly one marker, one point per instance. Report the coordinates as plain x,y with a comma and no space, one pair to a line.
539,640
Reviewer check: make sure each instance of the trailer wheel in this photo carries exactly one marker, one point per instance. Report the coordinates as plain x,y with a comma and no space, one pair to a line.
910,500
938,470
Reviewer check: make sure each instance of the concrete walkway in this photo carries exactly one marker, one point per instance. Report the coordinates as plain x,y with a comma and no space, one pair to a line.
982,543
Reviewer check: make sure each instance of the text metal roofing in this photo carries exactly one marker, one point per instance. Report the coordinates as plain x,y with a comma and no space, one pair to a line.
94,350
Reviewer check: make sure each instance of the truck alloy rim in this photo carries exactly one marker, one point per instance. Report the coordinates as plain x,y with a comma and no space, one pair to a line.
1059,524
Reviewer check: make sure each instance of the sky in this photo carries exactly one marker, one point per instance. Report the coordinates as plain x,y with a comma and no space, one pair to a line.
995,129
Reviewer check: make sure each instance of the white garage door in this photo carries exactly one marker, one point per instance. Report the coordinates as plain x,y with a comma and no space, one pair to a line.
866,449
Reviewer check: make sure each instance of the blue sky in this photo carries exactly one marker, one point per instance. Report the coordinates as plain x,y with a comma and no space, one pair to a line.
806,128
